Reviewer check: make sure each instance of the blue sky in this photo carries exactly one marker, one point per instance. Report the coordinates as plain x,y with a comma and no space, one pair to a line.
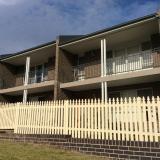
27,23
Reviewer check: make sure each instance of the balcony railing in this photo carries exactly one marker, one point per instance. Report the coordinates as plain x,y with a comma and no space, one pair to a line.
19,80
120,64
86,71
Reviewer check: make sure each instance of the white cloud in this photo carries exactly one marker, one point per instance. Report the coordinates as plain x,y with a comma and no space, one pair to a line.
9,2
31,22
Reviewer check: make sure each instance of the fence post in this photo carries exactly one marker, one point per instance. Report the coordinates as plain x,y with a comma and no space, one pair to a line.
16,118
66,105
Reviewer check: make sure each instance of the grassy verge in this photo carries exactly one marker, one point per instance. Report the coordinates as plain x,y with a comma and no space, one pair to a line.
19,151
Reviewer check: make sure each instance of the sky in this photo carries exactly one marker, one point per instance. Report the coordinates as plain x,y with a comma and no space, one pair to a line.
27,23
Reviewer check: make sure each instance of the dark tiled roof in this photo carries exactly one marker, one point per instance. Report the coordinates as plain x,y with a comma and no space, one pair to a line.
25,51
5,56
68,39
112,28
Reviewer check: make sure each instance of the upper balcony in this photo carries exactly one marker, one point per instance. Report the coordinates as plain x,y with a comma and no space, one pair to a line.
41,74
119,64
38,74
131,51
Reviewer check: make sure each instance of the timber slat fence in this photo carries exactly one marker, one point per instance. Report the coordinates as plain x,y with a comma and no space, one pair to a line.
125,119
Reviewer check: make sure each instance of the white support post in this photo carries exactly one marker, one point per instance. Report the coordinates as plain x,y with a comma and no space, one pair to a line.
102,70
104,96
106,92
102,53
25,92
102,91
26,79
104,56
105,71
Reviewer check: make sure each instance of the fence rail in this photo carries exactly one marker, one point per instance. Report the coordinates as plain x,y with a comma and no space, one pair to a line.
125,119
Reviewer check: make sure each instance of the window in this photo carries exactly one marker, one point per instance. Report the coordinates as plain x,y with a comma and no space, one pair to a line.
120,52
133,49
114,95
45,73
146,92
1,83
109,54
32,75
146,46
128,93
38,74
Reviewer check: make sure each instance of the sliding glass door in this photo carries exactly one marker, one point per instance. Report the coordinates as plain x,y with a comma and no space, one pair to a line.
38,74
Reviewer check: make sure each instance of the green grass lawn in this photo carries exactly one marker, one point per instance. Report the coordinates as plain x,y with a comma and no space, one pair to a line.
19,151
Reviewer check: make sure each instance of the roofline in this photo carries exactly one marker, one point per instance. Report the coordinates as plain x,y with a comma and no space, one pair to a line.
104,31
27,51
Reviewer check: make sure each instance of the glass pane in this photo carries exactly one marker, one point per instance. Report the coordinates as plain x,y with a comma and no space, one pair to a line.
45,74
120,52
146,46
39,73
133,49
32,75
114,95
145,92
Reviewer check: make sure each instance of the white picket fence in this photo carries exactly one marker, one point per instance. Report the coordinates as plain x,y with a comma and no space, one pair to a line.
125,119
7,116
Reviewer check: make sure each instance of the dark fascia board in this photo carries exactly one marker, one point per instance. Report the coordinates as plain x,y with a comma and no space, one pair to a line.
111,28
5,56
65,38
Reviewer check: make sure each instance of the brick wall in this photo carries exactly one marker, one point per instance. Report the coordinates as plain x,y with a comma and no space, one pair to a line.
7,75
63,72
51,68
106,148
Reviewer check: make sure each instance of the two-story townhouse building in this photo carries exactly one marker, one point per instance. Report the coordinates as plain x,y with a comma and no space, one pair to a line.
39,64
121,61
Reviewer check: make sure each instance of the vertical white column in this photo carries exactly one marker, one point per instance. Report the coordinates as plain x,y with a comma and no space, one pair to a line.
26,79
102,59
25,92
102,69
105,91
105,70
104,95
104,56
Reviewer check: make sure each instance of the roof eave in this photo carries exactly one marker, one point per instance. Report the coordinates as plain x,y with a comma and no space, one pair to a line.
98,33
27,51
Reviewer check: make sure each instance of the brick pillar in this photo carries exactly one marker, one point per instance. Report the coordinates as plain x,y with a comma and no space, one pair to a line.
56,79
7,74
63,72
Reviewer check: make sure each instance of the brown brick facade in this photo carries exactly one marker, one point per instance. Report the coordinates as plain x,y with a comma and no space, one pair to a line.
7,75
105,148
63,72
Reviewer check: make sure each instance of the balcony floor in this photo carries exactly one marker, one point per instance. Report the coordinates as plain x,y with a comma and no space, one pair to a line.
135,77
32,87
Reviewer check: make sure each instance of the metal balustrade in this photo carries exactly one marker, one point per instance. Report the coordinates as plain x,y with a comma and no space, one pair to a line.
120,64
19,80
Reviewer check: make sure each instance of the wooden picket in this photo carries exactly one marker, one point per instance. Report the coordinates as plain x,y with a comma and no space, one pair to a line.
136,119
